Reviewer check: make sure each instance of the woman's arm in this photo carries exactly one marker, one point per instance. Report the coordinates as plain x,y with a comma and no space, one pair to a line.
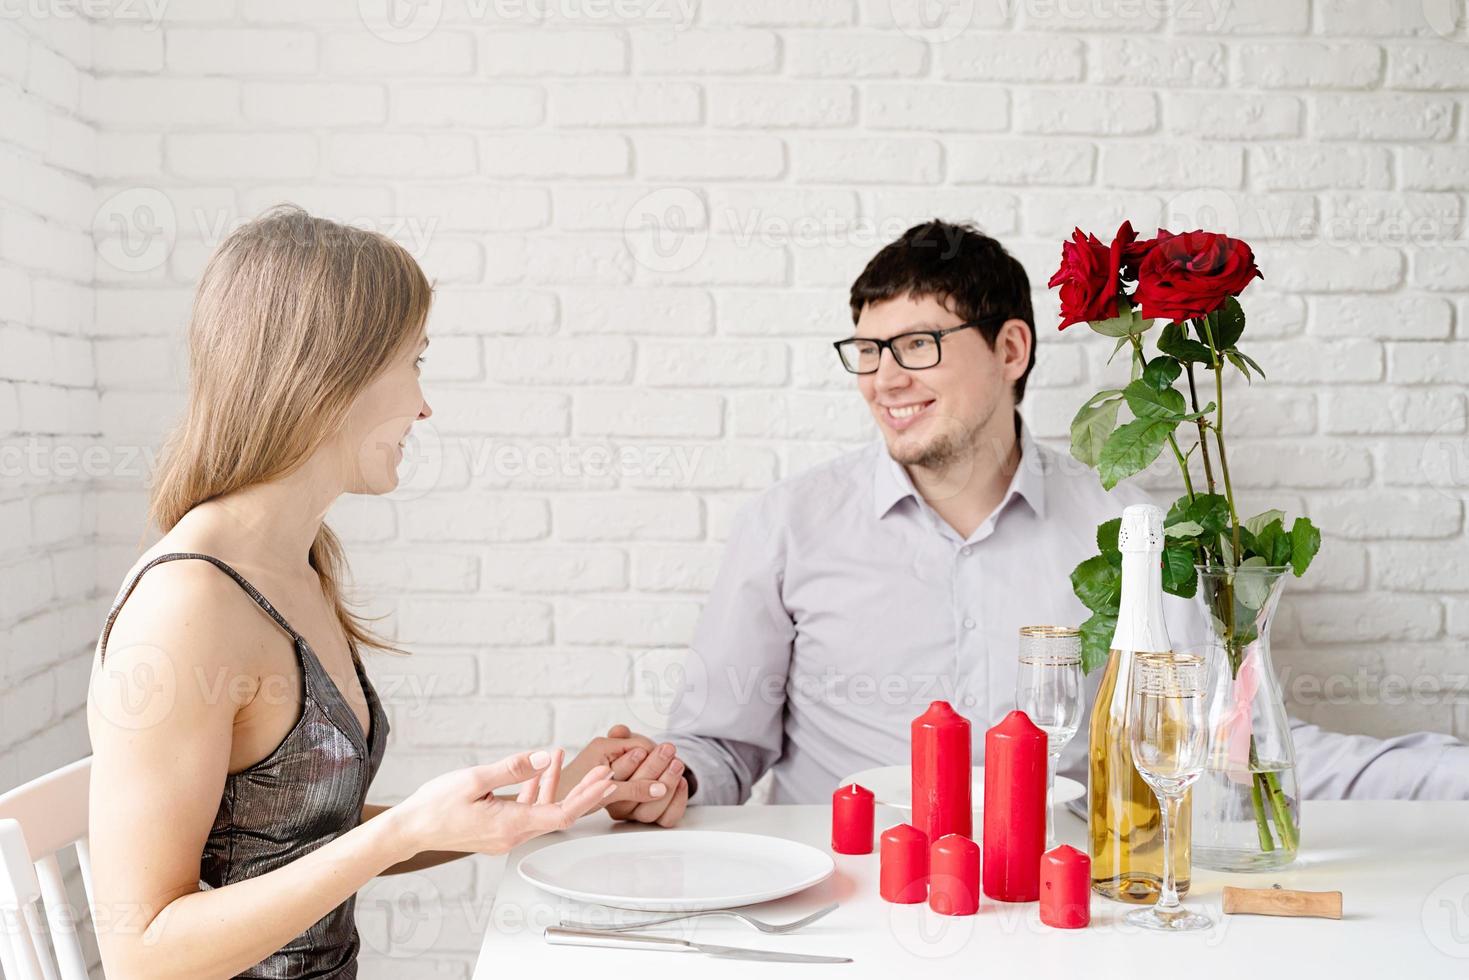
161,714
419,861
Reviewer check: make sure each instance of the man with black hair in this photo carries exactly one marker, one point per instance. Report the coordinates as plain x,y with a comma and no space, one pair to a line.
856,593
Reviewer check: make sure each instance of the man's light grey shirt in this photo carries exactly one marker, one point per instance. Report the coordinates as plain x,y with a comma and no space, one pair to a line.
845,604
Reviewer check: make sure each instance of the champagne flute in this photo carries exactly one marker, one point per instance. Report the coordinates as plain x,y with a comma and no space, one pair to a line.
1048,689
1169,739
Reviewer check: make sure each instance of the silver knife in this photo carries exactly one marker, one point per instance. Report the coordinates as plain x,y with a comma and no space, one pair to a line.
559,936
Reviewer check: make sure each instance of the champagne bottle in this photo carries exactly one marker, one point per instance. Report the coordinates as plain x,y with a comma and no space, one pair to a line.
1125,821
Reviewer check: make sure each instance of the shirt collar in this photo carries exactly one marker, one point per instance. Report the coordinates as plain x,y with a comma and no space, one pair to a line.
891,483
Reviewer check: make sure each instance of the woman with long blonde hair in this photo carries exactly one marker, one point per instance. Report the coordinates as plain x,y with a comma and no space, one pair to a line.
234,729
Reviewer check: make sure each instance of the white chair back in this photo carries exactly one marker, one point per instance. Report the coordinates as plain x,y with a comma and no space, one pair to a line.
38,820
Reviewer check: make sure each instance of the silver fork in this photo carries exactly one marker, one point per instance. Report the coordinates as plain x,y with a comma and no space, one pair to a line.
770,929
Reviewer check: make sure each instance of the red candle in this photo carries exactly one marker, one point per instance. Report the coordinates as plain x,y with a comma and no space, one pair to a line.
1014,808
903,876
941,772
953,876
851,820
1066,888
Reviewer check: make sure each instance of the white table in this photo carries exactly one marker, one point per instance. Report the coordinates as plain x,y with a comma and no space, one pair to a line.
1402,868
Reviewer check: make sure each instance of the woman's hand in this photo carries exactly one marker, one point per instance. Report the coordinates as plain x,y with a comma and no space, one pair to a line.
649,783
458,811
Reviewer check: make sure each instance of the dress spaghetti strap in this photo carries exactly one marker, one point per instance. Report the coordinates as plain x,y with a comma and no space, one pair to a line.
263,602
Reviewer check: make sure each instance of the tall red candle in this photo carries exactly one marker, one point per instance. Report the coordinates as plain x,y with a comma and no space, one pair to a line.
1014,808
941,772
903,875
1066,888
953,876
851,820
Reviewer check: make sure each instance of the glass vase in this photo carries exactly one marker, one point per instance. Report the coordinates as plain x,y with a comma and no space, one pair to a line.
1246,803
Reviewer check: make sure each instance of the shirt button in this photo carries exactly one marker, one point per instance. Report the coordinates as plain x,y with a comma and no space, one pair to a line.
969,700
965,550
969,624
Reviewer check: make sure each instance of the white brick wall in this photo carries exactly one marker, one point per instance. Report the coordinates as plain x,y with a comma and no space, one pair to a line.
641,226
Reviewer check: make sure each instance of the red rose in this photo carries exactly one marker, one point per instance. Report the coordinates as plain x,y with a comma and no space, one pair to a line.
1190,275
1091,274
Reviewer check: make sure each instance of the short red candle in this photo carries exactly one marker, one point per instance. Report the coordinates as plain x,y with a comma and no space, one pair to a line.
941,772
1014,808
953,876
851,820
1066,888
903,877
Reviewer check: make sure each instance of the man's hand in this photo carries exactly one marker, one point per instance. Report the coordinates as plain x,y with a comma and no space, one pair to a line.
649,786
639,764
648,777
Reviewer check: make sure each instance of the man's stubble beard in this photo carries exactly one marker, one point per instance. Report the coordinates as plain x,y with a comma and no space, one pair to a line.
948,450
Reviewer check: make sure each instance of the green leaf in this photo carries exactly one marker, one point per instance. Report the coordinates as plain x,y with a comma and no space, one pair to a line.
1272,543
1251,586
1121,343
1261,519
1131,448
1208,510
1227,324
1148,401
1250,361
1096,638
1179,577
1305,541
1126,323
1183,529
1097,583
1107,540
1233,357
1176,343
1161,372
1092,425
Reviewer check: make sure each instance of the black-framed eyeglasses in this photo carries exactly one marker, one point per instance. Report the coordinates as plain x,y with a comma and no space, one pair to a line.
915,350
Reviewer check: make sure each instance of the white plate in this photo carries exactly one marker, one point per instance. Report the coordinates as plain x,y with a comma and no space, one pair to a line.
676,870
893,786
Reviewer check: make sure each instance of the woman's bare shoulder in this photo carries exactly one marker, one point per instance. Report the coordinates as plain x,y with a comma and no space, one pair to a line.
186,605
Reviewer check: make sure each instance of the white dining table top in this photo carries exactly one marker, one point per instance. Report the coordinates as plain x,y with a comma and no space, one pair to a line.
1402,868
